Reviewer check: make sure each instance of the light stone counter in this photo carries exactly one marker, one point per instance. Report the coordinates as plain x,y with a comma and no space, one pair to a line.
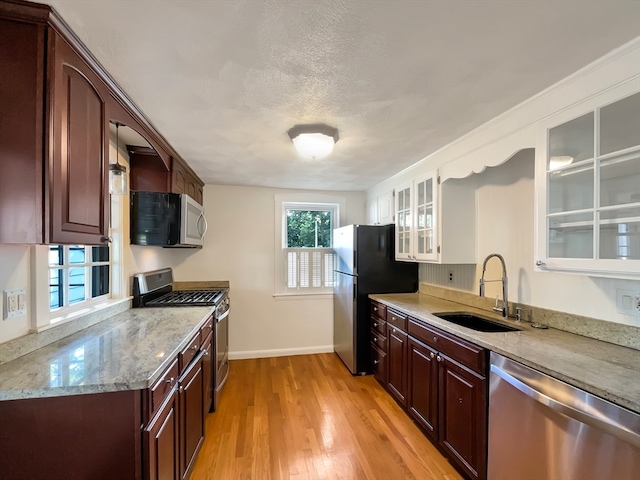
607,370
128,351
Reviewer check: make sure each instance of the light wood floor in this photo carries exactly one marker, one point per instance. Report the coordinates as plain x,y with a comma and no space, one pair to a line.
306,417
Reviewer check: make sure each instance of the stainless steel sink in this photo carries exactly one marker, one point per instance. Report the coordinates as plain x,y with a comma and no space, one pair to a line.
474,322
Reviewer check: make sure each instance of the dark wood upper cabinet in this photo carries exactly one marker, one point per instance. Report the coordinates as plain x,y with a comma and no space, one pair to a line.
56,102
79,159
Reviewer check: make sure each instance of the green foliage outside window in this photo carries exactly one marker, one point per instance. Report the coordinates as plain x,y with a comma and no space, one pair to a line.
309,228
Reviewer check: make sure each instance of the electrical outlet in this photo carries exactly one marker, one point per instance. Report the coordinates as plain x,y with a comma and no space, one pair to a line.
450,276
628,302
15,303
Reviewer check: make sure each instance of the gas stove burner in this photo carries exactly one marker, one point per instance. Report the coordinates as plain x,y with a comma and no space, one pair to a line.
187,298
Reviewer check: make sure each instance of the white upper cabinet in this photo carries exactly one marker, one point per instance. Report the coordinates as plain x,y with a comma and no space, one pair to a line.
588,187
380,209
434,223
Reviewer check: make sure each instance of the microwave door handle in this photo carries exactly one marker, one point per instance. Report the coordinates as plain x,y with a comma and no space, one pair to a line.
206,226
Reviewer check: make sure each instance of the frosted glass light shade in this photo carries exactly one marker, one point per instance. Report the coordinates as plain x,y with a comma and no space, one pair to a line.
313,142
313,146
117,179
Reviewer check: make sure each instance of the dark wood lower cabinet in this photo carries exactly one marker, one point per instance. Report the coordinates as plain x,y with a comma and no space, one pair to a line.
463,417
207,371
422,400
161,439
191,406
397,363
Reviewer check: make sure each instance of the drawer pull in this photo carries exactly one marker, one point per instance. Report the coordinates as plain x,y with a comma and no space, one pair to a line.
376,362
435,339
439,358
375,339
375,309
394,330
170,381
195,347
375,324
432,355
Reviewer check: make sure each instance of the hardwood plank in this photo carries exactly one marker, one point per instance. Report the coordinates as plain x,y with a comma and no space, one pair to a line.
307,418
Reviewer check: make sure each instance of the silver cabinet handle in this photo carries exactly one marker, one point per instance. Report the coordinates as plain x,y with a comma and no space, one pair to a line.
170,381
194,347
394,330
181,389
432,355
604,424
375,339
375,324
376,362
439,358
375,309
435,339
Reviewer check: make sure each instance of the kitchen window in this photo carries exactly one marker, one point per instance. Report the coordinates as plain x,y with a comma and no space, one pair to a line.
305,259
77,274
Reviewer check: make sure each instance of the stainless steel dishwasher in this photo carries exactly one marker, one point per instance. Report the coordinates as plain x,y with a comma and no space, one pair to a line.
541,428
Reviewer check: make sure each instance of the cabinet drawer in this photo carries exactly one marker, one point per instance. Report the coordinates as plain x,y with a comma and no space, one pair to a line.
464,352
397,319
378,310
378,340
207,328
189,352
379,364
163,386
378,324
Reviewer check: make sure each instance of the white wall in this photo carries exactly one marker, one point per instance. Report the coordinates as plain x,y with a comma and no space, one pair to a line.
240,248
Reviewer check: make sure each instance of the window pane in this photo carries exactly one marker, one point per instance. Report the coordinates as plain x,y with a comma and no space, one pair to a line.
100,254
55,254
309,228
55,288
571,236
620,181
99,280
620,125
571,141
76,254
620,234
76,285
571,189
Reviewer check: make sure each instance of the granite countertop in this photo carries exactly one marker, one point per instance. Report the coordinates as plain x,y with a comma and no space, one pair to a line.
604,369
128,351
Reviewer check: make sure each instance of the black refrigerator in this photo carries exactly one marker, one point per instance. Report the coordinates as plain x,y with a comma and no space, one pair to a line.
364,264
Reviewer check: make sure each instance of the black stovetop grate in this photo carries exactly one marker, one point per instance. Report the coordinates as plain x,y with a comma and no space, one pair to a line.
187,298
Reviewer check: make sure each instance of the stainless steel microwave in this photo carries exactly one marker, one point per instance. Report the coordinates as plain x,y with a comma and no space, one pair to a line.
166,220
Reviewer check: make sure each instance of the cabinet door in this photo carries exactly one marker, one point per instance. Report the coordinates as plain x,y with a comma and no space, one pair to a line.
425,210
160,440
422,399
385,208
404,226
178,177
397,363
79,160
588,187
207,371
372,211
463,416
191,401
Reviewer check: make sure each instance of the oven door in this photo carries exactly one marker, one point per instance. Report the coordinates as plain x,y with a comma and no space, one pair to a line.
221,350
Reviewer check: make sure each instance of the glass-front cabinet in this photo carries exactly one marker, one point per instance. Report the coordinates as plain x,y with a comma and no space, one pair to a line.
416,210
588,187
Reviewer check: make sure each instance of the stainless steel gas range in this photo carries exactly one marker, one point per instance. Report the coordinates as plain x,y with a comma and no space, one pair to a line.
156,289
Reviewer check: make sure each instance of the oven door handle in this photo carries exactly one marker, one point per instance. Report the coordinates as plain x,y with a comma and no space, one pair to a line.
206,226
603,423
223,316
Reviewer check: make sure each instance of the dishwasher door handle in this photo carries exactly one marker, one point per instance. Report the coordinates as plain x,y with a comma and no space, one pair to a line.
615,429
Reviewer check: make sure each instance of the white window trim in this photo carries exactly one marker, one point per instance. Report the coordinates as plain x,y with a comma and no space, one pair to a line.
42,317
281,202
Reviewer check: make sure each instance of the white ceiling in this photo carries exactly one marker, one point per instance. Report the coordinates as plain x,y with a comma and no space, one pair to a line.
223,80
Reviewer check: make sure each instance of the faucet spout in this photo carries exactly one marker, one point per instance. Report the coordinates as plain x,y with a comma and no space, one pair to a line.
505,302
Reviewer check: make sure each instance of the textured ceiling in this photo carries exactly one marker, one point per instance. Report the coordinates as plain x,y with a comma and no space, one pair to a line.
223,80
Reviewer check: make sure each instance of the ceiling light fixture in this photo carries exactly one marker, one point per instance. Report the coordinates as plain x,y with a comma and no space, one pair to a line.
117,172
313,142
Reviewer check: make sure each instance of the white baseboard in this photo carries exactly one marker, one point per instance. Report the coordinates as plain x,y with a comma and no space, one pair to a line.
284,352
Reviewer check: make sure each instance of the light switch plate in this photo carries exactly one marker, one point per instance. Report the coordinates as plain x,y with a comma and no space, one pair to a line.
15,303
628,302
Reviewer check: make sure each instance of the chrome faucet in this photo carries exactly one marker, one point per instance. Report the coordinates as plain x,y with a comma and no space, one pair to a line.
505,303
